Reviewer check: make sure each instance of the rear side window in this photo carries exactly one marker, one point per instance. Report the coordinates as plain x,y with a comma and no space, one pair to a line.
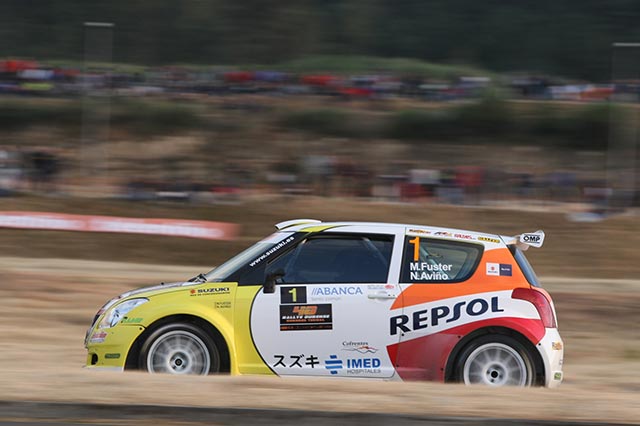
438,261
525,266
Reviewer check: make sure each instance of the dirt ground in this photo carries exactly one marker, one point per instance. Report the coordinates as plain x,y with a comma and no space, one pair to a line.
47,304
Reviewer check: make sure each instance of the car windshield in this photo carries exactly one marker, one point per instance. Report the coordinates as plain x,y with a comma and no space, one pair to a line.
253,255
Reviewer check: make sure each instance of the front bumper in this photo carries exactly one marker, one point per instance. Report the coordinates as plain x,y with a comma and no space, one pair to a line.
108,348
551,348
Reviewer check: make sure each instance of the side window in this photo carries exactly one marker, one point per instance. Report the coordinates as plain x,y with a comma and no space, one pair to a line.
337,259
438,261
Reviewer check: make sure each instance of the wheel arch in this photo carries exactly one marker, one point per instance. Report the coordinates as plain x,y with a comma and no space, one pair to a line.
466,340
221,343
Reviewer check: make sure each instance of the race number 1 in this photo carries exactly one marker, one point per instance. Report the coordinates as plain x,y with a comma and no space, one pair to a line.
289,295
416,248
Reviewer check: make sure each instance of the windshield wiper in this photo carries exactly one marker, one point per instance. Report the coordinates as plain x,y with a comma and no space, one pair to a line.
200,278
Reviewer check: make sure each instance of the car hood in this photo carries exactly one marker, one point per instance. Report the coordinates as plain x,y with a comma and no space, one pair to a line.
149,291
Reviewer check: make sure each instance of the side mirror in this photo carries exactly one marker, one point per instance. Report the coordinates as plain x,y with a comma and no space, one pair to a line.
270,280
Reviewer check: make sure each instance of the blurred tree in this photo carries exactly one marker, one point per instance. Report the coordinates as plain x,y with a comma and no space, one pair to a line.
570,37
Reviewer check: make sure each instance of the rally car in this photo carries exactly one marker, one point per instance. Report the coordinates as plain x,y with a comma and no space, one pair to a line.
347,299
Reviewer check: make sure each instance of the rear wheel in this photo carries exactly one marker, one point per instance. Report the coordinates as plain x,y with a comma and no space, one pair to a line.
180,348
496,360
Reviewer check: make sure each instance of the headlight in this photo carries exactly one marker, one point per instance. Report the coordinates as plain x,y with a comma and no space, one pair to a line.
117,312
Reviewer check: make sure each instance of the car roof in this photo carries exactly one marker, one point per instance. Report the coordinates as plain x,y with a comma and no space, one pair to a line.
310,225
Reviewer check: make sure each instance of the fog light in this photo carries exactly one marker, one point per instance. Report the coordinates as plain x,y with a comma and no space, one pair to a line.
94,359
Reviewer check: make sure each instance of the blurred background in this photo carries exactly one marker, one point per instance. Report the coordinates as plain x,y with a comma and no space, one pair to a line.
419,101
502,117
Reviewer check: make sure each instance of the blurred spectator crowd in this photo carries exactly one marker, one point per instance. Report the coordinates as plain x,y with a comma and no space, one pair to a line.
42,170
342,177
20,77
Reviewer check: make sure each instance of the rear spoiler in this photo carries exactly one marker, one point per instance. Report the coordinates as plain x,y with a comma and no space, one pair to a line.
288,223
526,240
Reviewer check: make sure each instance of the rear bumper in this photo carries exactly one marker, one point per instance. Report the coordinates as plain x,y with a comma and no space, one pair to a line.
551,349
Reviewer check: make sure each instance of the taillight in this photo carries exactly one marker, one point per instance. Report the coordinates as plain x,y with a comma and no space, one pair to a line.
540,301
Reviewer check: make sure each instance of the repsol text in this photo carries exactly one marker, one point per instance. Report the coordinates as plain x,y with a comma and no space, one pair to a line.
444,314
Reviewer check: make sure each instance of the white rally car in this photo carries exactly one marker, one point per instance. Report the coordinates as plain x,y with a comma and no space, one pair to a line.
347,299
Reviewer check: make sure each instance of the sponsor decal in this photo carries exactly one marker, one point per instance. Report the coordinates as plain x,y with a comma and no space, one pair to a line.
360,347
380,286
98,337
463,236
423,271
112,356
306,317
499,269
419,231
333,364
212,291
444,314
353,366
505,270
534,239
293,295
556,346
489,240
223,305
443,234
336,291
271,251
295,361
127,320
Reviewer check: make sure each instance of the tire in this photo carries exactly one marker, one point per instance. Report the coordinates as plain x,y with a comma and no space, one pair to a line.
179,348
495,360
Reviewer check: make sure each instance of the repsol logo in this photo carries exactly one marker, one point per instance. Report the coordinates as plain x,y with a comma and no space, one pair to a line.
442,315
531,238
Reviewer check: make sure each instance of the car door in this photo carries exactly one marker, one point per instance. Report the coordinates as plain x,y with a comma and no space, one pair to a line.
329,313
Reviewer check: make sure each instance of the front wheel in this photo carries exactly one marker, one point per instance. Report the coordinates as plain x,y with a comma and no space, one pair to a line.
180,348
495,360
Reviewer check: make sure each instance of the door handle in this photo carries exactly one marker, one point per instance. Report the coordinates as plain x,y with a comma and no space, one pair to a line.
381,296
